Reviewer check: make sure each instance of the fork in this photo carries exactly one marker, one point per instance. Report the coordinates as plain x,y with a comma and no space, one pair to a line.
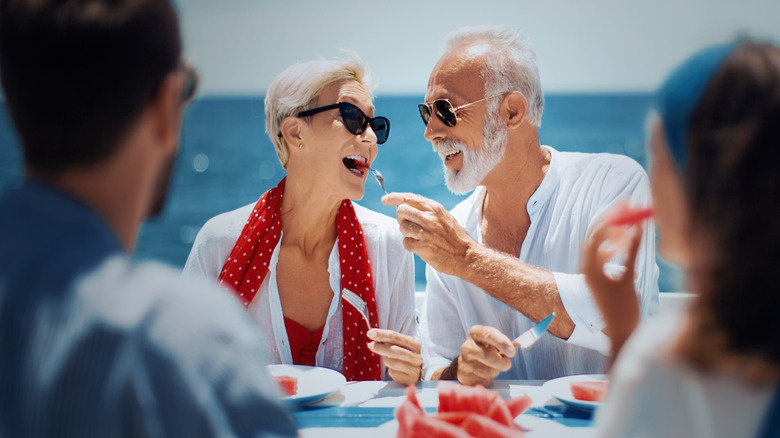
378,177
356,302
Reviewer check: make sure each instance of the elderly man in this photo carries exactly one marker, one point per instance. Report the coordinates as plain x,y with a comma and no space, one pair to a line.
508,255
92,343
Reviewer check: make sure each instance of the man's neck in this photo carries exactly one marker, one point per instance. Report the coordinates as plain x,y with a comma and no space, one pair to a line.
508,188
118,189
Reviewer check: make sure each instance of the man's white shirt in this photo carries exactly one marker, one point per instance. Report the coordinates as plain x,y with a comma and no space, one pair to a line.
576,191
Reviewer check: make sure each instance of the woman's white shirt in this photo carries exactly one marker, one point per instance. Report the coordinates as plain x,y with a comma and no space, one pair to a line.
653,393
392,269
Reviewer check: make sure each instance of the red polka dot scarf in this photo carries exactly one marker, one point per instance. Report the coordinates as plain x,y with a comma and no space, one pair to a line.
247,266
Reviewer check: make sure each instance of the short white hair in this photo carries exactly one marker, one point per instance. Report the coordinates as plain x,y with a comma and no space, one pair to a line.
510,64
297,88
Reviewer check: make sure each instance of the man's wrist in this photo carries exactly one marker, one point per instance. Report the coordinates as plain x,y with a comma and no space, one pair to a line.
451,371
471,269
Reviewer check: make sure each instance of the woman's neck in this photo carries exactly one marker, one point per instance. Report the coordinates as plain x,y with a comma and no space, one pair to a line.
308,217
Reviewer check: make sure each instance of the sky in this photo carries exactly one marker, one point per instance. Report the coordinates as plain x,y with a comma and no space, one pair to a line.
582,46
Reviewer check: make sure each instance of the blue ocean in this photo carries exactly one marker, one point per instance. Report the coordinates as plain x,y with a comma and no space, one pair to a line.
226,160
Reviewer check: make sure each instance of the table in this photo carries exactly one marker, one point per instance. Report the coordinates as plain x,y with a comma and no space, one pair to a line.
361,409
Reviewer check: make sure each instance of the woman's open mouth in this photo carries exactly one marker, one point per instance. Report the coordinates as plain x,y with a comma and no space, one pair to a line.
355,164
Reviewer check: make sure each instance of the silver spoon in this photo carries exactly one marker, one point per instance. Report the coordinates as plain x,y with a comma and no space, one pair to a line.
378,177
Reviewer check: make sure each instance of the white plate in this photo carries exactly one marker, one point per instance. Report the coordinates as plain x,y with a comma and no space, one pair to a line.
314,383
559,388
537,427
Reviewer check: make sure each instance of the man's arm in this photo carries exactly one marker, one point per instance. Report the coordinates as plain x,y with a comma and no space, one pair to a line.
528,289
432,233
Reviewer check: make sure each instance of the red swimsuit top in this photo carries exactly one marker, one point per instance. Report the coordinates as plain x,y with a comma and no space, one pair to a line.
303,343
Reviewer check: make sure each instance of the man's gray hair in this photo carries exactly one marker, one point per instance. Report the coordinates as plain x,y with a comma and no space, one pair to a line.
297,88
510,65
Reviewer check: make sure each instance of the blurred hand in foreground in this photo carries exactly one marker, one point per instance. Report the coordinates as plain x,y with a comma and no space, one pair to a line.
614,291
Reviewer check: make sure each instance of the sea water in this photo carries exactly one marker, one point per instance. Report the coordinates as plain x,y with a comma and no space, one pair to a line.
226,160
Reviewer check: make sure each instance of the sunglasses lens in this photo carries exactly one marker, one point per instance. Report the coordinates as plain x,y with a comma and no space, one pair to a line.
381,127
445,113
190,83
354,119
425,113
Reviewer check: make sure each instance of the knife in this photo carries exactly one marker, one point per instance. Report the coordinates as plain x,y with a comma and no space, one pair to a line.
532,334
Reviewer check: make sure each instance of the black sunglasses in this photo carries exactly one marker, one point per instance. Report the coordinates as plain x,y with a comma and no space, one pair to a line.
190,81
355,120
445,111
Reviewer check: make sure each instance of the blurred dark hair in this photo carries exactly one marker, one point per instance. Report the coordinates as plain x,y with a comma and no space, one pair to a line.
734,189
77,73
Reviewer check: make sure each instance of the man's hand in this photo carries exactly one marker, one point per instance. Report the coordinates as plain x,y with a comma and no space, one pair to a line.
400,353
484,355
431,232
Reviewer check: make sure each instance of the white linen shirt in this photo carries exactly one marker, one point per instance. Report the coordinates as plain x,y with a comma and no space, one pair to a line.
392,269
577,189
654,393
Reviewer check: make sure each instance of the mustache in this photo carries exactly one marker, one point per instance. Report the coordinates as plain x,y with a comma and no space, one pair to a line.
448,145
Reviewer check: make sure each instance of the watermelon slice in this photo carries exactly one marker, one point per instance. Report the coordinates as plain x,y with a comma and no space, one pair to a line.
456,418
518,405
454,397
625,215
589,391
500,413
481,426
432,427
463,411
409,414
289,384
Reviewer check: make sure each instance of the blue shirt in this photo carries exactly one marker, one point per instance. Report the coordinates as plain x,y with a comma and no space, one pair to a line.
92,344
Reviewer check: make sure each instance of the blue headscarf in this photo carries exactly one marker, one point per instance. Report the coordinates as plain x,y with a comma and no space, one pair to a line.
679,96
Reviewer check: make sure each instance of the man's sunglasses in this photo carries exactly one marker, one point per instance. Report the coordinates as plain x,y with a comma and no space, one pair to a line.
444,110
355,120
190,81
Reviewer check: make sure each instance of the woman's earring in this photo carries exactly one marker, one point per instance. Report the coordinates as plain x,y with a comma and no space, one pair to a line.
300,146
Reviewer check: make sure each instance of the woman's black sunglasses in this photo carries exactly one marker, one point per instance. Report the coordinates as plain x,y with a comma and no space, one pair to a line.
355,120
444,110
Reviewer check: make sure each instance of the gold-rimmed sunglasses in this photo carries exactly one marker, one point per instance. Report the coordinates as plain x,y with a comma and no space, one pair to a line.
445,111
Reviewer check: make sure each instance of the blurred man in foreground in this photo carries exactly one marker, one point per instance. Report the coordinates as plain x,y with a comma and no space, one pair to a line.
91,343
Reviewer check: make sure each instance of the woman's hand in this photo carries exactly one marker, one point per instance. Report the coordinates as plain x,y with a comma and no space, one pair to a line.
400,354
615,294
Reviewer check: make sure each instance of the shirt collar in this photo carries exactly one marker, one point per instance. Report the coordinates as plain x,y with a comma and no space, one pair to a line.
548,186
537,200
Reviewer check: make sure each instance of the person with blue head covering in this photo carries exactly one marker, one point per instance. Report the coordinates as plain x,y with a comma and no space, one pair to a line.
710,370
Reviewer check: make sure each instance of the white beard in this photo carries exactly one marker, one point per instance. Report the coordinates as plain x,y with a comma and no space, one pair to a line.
477,163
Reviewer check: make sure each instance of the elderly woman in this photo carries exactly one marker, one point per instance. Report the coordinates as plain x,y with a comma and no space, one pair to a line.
288,256
715,175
